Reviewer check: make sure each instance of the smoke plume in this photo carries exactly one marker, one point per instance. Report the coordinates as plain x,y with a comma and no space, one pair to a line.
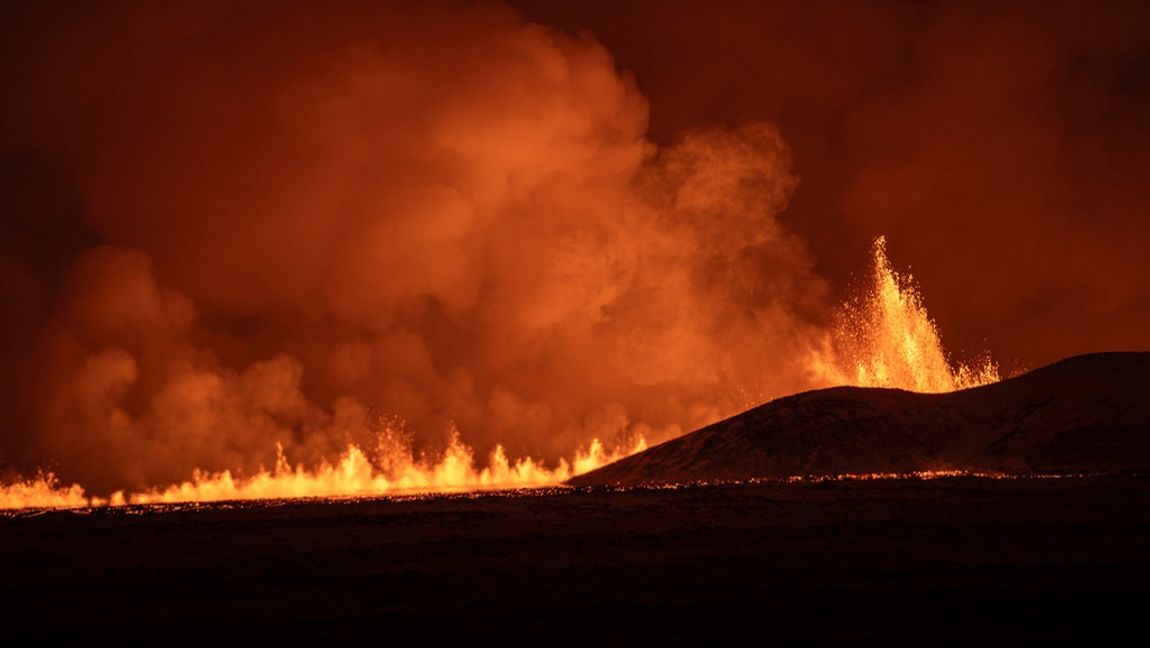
237,225
1002,147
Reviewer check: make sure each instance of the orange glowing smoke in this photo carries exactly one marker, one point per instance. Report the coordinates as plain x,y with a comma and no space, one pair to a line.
885,338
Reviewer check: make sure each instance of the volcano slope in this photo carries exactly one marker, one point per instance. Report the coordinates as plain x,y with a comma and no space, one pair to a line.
1088,413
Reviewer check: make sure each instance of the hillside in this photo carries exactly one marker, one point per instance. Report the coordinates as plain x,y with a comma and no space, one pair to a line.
1086,413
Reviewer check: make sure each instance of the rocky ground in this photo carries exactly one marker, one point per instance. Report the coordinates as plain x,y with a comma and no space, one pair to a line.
904,561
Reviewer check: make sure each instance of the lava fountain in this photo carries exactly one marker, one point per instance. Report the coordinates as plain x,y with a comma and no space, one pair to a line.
882,338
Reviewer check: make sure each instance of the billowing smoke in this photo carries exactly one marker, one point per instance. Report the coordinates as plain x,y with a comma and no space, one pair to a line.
1002,147
235,225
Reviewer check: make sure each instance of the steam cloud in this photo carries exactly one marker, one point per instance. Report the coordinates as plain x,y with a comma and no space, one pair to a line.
245,224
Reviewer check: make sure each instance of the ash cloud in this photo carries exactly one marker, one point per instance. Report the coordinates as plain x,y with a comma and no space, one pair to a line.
232,225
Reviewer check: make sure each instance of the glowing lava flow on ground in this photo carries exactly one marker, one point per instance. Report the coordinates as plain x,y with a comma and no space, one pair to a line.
883,339
352,475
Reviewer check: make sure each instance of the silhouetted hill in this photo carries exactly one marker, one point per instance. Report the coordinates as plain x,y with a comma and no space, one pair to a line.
1086,413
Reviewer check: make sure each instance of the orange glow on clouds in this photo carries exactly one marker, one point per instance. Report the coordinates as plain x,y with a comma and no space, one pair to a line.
884,339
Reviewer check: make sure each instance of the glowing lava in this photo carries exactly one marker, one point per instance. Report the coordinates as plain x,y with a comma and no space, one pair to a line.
43,491
353,474
884,338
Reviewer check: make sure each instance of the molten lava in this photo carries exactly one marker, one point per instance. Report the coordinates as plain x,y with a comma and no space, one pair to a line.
884,338
354,474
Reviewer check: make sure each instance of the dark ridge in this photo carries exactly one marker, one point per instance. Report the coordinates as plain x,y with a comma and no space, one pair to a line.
1088,413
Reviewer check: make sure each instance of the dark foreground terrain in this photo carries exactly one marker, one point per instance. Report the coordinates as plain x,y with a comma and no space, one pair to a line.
903,561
